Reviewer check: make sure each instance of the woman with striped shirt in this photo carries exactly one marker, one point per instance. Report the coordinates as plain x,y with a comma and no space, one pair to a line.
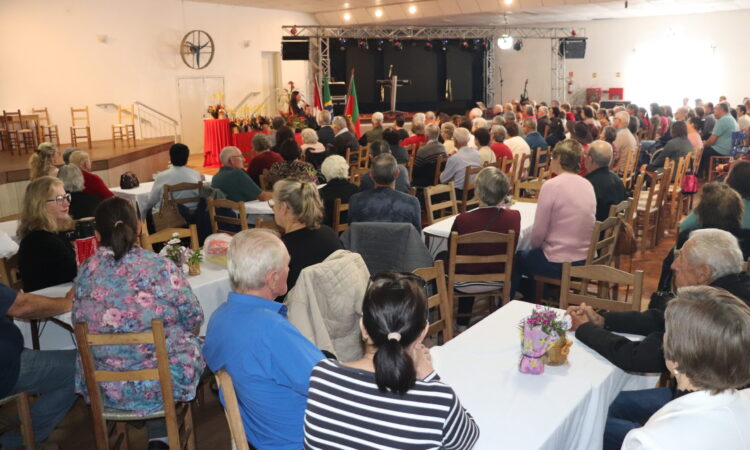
391,398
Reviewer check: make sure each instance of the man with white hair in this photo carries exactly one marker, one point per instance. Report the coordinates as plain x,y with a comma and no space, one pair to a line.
478,122
343,138
325,133
418,119
233,181
466,156
542,120
92,183
250,337
376,132
474,113
625,141
608,187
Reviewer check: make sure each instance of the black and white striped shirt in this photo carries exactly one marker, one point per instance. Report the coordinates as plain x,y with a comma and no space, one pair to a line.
346,410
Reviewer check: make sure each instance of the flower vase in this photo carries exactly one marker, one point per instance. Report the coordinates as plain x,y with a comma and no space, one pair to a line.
557,354
534,344
194,269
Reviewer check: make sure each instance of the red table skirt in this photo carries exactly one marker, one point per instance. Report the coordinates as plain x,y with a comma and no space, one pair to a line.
244,141
216,136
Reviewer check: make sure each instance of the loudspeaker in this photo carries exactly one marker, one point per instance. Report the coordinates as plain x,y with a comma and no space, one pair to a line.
295,49
573,48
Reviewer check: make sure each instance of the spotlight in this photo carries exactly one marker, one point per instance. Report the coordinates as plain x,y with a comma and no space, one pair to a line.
475,44
380,45
428,45
363,45
465,44
505,42
342,44
378,13
398,46
518,45
444,45
412,9
484,43
347,16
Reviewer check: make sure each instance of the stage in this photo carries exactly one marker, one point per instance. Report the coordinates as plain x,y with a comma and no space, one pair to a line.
146,158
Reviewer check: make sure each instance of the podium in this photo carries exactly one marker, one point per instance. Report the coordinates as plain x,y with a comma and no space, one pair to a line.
393,83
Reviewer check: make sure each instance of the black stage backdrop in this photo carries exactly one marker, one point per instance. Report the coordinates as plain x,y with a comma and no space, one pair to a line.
427,69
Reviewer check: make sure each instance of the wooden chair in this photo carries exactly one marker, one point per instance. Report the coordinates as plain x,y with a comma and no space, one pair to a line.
440,300
608,281
648,208
23,423
352,157
217,219
47,130
449,205
19,135
180,436
364,156
506,258
628,170
339,226
439,167
124,129
601,251
468,197
410,166
527,191
747,266
519,171
269,225
540,164
232,410
10,275
356,174
264,181
148,240
673,202
170,189
81,126
713,162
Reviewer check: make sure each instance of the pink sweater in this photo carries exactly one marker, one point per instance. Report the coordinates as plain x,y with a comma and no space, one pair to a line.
565,216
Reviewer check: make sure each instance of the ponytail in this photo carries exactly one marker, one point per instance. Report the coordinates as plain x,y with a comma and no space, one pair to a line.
117,225
303,199
121,239
394,368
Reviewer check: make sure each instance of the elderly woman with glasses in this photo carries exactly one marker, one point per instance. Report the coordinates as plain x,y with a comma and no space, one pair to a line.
45,256
394,377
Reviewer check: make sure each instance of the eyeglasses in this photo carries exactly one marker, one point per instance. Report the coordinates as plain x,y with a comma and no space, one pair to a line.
271,203
398,277
60,199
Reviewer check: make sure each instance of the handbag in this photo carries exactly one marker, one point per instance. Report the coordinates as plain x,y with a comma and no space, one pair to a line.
689,183
168,215
626,243
129,180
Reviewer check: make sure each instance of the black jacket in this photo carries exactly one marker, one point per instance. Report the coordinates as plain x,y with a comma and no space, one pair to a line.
325,135
648,354
608,189
343,141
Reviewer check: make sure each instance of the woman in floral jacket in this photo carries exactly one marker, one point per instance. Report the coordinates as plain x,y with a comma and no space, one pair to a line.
291,167
120,289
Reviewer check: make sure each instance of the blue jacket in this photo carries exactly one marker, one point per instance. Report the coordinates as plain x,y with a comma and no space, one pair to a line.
383,204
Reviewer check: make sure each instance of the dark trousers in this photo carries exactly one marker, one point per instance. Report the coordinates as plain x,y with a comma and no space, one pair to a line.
708,152
630,410
530,263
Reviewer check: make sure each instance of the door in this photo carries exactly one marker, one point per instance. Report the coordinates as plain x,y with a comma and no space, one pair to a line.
195,95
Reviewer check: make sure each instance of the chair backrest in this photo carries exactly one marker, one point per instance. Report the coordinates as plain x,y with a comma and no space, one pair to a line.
169,189
148,240
637,191
232,410
264,180
364,156
527,191
80,115
747,266
43,115
12,120
518,170
10,275
410,165
604,242
240,221
483,238
447,205
268,224
608,280
628,170
653,189
439,166
439,300
23,423
128,112
622,210
356,174
468,197
93,376
352,157
540,164
338,225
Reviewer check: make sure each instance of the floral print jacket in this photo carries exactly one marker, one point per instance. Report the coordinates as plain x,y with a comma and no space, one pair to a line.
124,296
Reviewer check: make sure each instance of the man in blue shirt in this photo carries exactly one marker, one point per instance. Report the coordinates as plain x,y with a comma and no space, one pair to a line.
720,142
250,337
535,140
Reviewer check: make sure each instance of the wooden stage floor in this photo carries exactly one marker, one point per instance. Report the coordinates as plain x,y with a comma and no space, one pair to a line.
103,156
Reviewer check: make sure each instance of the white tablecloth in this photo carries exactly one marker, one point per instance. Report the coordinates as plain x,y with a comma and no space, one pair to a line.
142,193
563,408
211,288
442,229
261,208
9,227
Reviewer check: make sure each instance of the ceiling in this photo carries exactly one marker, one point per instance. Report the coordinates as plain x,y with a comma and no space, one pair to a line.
486,12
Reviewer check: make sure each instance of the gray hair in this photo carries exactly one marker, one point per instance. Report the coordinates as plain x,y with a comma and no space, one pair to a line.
66,154
432,132
601,153
384,169
623,116
529,123
717,249
429,116
498,120
418,118
510,116
251,255
417,128
79,158
478,122
447,128
72,178
461,137
227,153
377,117
309,136
475,112
324,117
261,142
339,122
491,185
498,133
335,166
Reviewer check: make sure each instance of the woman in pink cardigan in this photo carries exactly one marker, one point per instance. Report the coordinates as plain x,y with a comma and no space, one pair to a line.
564,221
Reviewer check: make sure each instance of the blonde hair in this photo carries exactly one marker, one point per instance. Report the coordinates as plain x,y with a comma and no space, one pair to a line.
34,214
309,136
41,161
303,199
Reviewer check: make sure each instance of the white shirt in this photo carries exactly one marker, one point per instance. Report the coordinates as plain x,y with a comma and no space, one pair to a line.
744,122
173,175
487,155
697,420
518,146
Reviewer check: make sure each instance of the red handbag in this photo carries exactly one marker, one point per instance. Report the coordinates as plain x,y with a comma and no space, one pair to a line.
689,183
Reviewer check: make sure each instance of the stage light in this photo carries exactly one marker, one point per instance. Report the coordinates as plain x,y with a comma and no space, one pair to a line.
428,45
518,45
444,45
346,5
398,46
465,44
342,45
380,45
363,45
378,13
509,2
347,16
475,44
412,9
505,42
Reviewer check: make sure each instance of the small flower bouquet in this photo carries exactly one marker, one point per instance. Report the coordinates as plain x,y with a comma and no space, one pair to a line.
295,122
194,260
174,250
542,332
215,110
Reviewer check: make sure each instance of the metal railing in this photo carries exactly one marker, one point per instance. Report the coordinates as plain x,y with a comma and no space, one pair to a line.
153,123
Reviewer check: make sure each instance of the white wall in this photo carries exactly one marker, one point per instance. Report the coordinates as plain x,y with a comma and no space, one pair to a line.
660,59
52,57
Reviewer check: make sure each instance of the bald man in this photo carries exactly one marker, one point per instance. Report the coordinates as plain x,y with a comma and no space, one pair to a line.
608,187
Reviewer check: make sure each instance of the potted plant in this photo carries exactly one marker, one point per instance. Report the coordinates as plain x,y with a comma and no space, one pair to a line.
194,260
543,340
174,250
